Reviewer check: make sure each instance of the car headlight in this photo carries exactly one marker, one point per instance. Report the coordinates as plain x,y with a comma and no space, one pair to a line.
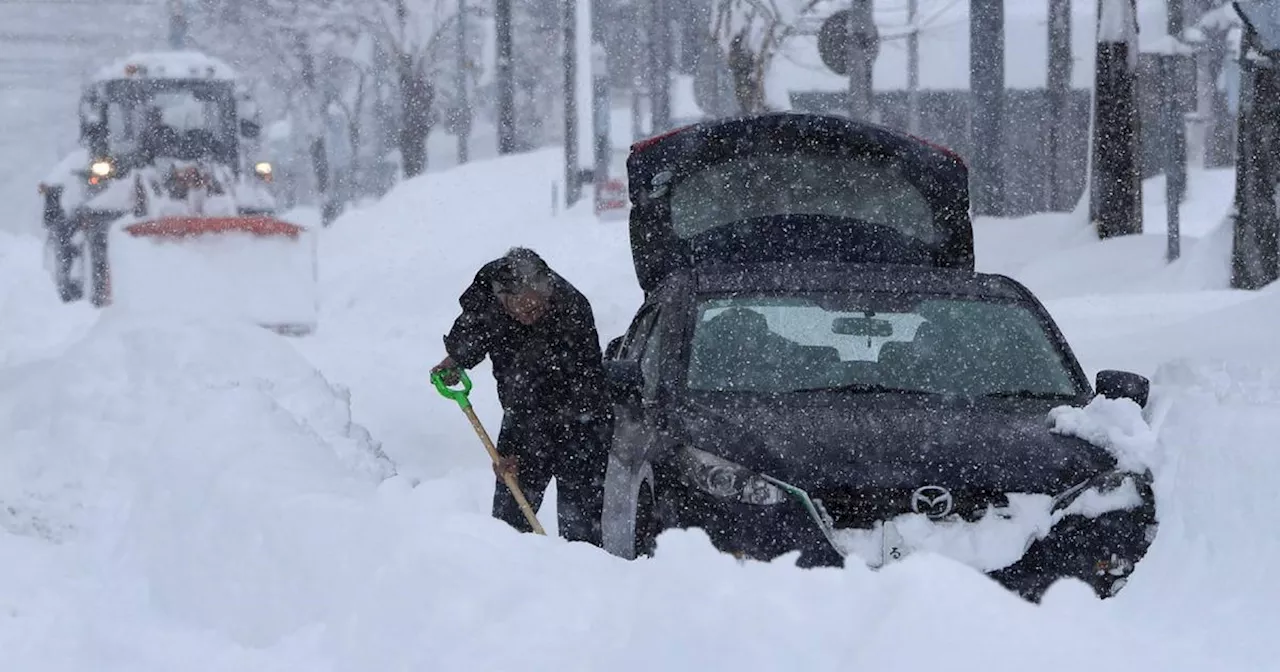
263,169
1109,491
724,479
101,168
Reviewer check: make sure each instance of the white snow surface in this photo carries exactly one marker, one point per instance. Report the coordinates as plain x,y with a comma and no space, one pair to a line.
189,492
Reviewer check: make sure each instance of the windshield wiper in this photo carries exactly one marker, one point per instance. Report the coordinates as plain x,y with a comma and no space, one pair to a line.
1027,394
867,388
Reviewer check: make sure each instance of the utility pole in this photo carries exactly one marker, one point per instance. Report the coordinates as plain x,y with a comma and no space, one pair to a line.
569,32
1058,87
464,103
860,38
986,90
506,79
913,67
178,25
600,113
660,66
1116,189
1175,145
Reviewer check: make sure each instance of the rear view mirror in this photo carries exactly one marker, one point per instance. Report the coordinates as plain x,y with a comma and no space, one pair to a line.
1123,385
625,379
862,326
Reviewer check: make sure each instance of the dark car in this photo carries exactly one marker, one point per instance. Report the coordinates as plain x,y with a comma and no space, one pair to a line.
862,398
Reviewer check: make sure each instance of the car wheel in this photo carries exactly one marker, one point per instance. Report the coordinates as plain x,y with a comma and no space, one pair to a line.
646,530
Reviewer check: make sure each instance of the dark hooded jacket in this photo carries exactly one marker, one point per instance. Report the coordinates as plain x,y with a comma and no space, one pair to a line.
554,364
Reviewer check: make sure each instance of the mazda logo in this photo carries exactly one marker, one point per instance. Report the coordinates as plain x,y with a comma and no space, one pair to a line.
933,501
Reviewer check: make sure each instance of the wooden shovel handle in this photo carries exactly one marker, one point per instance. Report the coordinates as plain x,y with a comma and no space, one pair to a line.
509,479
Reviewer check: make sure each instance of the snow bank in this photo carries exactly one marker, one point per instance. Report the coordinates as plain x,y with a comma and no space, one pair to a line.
33,322
149,401
391,274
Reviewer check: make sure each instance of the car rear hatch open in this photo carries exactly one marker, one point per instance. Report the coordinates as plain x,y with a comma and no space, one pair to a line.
795,188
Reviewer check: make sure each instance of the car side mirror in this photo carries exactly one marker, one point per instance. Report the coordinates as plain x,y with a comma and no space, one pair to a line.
625,379
1123,384
249,129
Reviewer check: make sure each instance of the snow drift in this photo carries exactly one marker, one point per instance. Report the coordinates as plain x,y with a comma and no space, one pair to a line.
183,493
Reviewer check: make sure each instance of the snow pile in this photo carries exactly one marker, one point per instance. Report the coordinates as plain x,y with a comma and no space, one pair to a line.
143,405
1114,424
391,274
33,323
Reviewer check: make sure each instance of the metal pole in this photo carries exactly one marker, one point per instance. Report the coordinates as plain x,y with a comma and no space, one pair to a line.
600,114
660,68
464,104
986,87
1175,184
177,24
506,81
913,68
859,29
569,31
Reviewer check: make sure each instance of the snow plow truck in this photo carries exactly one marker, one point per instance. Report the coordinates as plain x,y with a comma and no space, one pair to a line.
168,197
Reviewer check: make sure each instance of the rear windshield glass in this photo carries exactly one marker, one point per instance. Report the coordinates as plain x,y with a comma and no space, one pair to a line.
948,346
866,189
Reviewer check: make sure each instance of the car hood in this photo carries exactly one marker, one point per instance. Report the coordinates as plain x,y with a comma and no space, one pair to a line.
862,443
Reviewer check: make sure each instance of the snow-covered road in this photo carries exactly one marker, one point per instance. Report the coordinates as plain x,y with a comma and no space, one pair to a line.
178,493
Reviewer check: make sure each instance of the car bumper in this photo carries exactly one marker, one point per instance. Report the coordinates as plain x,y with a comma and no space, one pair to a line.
1101,550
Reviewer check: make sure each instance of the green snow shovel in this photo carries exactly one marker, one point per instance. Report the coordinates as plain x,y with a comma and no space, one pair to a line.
460,395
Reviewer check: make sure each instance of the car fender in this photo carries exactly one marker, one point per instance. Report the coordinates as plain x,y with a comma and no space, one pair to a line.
622,485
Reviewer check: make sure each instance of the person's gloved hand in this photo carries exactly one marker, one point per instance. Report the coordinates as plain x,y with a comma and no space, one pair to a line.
506,464
450,370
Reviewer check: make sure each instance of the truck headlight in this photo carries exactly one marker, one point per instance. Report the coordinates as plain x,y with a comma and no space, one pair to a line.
101,168
263,169
727,480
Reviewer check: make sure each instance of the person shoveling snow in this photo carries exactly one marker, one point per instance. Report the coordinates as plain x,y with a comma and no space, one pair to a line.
540,333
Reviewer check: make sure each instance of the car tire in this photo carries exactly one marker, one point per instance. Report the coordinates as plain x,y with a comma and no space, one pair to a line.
623,488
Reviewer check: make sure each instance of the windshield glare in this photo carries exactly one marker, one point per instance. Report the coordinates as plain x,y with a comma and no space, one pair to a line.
861,188
949,346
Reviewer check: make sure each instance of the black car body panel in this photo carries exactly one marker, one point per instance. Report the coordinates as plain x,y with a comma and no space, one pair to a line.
794,379
874,160
862,456
857,443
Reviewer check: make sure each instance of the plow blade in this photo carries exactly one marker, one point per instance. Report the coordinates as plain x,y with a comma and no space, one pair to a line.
188,227
252,267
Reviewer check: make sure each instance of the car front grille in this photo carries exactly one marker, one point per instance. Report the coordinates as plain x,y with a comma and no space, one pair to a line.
863,508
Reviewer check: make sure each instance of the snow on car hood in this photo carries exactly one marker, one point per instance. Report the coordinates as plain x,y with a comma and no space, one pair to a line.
996,540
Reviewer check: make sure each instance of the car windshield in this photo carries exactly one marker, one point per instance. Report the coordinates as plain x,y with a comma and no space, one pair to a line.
859,188
968,347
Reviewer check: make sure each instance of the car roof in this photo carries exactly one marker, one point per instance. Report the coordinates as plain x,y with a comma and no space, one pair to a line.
811,276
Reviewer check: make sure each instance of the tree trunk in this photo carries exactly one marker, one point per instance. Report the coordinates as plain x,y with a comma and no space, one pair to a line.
742,66
1255,253
416,95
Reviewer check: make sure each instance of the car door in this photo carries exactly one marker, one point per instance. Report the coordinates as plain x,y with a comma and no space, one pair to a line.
634,418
